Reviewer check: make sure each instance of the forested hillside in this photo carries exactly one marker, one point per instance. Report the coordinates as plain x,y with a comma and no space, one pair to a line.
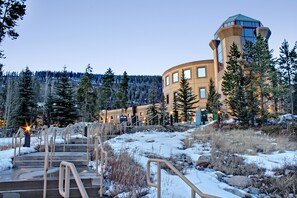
44,83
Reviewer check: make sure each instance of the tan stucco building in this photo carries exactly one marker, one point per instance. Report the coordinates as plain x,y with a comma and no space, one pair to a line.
237,29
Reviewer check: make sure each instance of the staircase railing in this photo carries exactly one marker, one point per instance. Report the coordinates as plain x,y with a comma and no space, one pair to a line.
103,158
46,156
194,189
64,178
15,138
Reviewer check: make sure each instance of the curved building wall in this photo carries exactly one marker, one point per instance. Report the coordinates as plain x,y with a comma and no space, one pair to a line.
198,73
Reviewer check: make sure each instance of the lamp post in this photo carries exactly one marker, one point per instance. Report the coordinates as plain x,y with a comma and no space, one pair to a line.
27,136
219,119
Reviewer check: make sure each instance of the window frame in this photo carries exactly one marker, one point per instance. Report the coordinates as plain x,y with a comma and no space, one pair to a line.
205,71
200,88
173,81
167,83
189,69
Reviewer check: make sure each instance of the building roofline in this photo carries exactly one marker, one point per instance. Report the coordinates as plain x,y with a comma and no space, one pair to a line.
188,63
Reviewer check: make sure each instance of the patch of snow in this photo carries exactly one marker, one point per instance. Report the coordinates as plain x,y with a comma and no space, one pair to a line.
272,161
7,155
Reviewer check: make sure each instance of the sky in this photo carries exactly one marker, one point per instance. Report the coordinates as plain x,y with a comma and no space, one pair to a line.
141,37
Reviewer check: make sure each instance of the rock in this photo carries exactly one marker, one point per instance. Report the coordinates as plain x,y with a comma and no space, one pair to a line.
238,181
237,192
203,161
254,191
220,175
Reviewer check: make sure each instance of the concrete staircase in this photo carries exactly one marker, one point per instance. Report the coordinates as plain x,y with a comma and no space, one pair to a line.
34,188
29,182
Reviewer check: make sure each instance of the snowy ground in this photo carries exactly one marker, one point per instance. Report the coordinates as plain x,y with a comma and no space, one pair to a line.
168,144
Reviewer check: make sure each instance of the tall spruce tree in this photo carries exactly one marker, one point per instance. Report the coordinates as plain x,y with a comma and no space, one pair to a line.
233,86
152,110
163,110
86,96
186,99
287,62
24,113
175,109
213,104
64,105
107,89
251,78
122,93
263,70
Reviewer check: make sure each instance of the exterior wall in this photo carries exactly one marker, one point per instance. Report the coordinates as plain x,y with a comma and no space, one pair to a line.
195,82
113,116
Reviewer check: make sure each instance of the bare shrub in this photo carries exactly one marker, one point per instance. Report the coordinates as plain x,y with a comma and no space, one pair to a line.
249,142
127,173
233,164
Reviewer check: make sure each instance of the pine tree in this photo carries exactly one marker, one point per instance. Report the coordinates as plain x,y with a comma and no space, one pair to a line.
262,67
213,104
163,110
24,113
64,105
186,99
107,89
287,62
175,109
152,110
86,96
233,86
122,93
252,93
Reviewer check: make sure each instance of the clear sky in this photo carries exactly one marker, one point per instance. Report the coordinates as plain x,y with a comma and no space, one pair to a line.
142,37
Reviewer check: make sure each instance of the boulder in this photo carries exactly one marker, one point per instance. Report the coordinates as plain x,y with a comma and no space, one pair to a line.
203,161
238,181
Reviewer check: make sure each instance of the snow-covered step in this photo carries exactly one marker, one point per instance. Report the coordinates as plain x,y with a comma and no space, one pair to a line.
69,148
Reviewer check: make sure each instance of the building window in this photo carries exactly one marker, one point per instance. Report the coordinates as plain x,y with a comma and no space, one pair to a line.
174,96
141,113
167,80
201,72
187,74
175,77
167,98
202,93
111,117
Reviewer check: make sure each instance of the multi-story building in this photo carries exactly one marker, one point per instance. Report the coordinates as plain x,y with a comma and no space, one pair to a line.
237,29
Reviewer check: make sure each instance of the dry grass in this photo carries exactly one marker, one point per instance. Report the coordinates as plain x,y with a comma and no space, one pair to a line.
240,141
126,173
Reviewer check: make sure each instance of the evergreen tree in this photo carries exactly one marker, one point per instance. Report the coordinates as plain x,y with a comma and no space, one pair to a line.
252,93
263,71
107,89
213,104
175,109
233,86
163,110
186,99
287,62
24,113
122,93
152,110
64,105
86,96
48,107
11,11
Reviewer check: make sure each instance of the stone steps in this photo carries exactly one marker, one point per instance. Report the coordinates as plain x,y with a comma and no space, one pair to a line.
50,193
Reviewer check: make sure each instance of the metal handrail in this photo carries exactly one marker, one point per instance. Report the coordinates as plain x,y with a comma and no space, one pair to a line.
103,158
19,133
194,189
64,174
46,156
